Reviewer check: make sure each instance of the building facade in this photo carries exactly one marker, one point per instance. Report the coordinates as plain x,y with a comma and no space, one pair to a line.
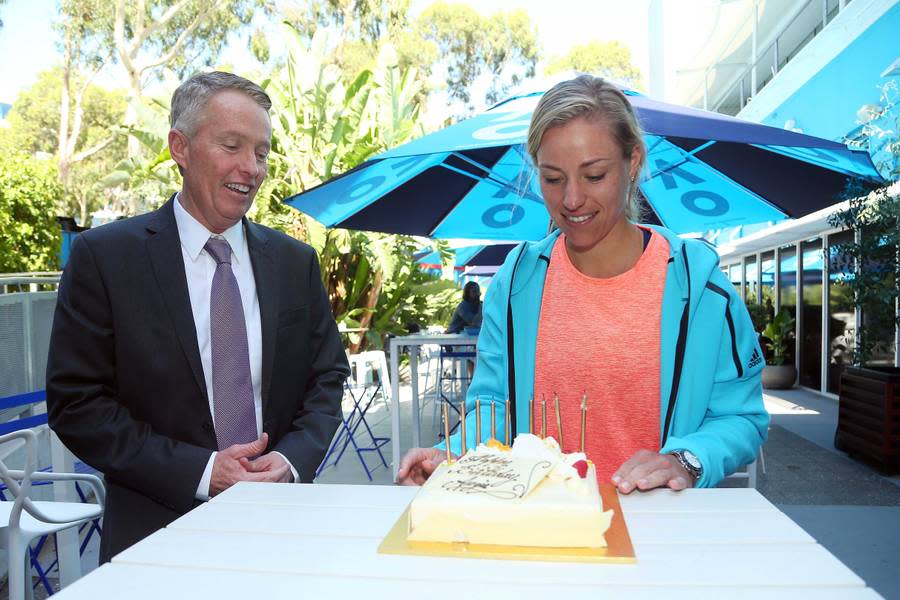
828,68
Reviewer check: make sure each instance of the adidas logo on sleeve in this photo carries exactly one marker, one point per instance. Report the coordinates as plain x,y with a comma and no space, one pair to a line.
755,359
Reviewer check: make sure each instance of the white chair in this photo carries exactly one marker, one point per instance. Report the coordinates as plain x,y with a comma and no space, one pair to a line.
39,518
751,471
366,365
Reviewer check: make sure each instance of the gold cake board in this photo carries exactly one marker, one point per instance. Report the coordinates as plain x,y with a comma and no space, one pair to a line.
618,543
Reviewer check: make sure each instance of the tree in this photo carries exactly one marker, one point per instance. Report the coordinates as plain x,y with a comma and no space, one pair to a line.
81,50
501,46
452,39
611,60
31,238
322,127
89,147
150,35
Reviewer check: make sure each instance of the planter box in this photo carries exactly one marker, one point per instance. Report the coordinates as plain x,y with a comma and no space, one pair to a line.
868,426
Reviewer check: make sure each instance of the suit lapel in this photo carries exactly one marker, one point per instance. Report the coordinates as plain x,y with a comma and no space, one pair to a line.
164,248
266,293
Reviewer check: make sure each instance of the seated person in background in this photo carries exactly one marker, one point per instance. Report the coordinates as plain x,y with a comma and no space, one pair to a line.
639,322
468,313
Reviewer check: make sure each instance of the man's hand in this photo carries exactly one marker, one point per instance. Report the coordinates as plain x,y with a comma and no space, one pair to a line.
418,464
272,464
230,466
647,470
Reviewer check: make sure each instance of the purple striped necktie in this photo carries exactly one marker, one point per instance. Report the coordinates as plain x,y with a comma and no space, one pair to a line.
235,416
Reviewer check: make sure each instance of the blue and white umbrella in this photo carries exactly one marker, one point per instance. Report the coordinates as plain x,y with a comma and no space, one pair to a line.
473,180
481,255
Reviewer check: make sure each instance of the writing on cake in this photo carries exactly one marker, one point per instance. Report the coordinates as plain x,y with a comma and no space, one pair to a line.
497,475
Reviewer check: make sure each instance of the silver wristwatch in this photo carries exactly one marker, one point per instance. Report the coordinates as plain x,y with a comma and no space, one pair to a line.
690,462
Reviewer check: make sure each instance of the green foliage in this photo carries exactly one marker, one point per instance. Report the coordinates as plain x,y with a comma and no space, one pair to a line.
611,60
502,45
875,258
197,30
778,336
34,123
31,237
322,126
449,38
758,315
144,181
879,134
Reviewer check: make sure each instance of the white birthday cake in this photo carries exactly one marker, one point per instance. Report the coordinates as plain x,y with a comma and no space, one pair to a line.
528,495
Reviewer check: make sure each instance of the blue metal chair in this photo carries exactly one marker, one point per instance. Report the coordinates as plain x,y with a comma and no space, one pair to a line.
348,433
458,380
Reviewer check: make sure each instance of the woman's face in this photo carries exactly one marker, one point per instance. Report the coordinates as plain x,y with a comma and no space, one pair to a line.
585,180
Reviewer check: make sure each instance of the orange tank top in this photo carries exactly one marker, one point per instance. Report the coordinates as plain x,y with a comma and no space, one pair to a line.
601,338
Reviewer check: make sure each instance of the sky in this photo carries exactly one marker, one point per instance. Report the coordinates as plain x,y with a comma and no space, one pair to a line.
28,42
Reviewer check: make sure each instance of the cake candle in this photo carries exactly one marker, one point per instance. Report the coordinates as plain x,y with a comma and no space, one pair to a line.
506,420
447,433
583,417
462,427
477,421
493,420
558,419
543,417
531,415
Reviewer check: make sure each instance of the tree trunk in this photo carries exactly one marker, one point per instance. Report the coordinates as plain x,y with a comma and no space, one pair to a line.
370,303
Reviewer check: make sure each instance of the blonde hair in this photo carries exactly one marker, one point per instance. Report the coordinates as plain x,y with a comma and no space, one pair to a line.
594,98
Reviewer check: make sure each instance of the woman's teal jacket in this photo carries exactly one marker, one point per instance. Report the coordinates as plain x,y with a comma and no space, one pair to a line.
710,384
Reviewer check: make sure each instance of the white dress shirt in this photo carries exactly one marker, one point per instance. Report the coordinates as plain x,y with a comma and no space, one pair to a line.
199,268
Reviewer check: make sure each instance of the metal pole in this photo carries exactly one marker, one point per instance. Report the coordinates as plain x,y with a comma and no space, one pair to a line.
754,49
857,312
826,299
777,279
759,299
798,307
705,90
744,279
775,67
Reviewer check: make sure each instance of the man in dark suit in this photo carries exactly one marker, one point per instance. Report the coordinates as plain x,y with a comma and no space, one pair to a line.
192,349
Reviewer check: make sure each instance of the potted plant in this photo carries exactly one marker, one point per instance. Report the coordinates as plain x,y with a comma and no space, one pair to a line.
869,408
869,412
778,374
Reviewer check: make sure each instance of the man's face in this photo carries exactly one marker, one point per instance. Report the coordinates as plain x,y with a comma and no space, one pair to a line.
224,161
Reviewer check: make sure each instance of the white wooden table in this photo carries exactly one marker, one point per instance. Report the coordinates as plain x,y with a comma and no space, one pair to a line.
320,541
411,344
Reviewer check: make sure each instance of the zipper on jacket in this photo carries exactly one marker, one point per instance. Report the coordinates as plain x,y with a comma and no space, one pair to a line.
510,347
730,320
679,354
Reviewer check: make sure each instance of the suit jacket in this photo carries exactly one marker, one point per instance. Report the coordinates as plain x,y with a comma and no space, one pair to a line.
125,385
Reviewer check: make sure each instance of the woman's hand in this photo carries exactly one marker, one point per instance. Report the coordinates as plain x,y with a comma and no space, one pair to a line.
647,470
418,464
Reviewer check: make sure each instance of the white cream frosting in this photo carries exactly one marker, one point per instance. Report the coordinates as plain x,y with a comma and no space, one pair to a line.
530,495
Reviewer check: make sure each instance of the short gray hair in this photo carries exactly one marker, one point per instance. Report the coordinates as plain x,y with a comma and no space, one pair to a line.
594,98
191,97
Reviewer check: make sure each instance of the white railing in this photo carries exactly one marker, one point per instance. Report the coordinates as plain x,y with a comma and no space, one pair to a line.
767,60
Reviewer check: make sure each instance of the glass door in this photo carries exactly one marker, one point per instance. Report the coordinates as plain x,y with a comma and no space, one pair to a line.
810,365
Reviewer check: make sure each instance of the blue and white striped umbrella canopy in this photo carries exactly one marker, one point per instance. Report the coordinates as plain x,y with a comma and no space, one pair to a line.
474,180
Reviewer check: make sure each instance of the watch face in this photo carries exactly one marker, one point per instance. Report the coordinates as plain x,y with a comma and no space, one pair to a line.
692,459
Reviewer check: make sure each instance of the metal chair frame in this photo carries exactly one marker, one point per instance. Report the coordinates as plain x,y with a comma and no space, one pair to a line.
349,429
